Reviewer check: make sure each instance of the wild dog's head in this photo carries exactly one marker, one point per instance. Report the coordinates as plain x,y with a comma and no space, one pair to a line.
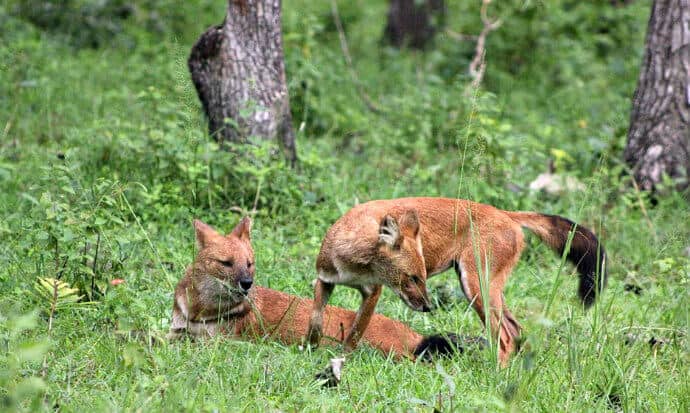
400,260
229,259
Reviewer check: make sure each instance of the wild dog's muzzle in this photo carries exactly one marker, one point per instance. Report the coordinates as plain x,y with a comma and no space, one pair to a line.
245,284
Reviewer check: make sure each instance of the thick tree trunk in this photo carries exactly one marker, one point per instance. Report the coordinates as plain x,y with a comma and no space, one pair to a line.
413,23
238,70
659,135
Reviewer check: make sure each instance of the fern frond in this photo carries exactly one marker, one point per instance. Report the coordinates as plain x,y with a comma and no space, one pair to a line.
56,294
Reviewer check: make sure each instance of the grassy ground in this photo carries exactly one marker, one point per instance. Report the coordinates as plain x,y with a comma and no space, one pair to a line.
104,163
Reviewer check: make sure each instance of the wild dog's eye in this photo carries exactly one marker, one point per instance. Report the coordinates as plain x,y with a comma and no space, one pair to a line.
226,263
249,264
415,279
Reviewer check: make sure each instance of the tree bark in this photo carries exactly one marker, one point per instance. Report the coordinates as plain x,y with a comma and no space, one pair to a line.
413,23
659,135
238,70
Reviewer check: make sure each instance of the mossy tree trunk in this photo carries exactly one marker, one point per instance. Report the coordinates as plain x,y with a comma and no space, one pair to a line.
413,23
659,135
238,70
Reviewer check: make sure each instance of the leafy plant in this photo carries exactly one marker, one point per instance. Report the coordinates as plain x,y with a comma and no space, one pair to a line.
21,388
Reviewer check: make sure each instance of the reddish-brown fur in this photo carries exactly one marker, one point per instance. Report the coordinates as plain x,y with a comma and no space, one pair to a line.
483,243
212,284
275,315
364,252
205,307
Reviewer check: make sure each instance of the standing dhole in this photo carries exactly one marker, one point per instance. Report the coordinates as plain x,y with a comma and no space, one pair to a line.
401,242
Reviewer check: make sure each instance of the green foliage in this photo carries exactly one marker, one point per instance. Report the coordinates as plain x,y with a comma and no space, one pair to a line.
105,161
86,23
21,388
96,23
66,222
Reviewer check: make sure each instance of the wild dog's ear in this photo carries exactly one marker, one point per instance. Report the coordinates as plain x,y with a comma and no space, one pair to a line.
389,232
204,233
409,222
243,230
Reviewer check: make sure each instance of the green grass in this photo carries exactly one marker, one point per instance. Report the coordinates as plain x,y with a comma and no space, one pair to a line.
138,168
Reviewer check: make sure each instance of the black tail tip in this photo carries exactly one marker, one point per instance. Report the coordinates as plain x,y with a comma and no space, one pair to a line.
588,293
585,252
593,280
445,345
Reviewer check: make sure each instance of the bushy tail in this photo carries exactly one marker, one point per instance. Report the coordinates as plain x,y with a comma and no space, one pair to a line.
586,252
445,345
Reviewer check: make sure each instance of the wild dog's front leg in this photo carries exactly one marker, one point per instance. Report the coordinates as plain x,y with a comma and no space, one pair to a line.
322,291
370,296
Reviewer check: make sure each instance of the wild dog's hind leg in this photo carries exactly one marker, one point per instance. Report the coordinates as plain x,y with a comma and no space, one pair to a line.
322,291
370,296
504,327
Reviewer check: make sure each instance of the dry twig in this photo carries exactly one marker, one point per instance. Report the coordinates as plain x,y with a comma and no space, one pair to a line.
53,306
478,64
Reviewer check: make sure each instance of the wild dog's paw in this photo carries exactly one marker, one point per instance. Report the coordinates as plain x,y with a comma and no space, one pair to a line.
314,334
446,345
331,375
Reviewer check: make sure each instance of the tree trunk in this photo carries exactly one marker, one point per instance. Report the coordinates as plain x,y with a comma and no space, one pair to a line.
659,135
238,70
413,23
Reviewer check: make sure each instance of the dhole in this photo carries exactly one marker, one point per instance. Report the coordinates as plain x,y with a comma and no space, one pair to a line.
216,296
401,242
